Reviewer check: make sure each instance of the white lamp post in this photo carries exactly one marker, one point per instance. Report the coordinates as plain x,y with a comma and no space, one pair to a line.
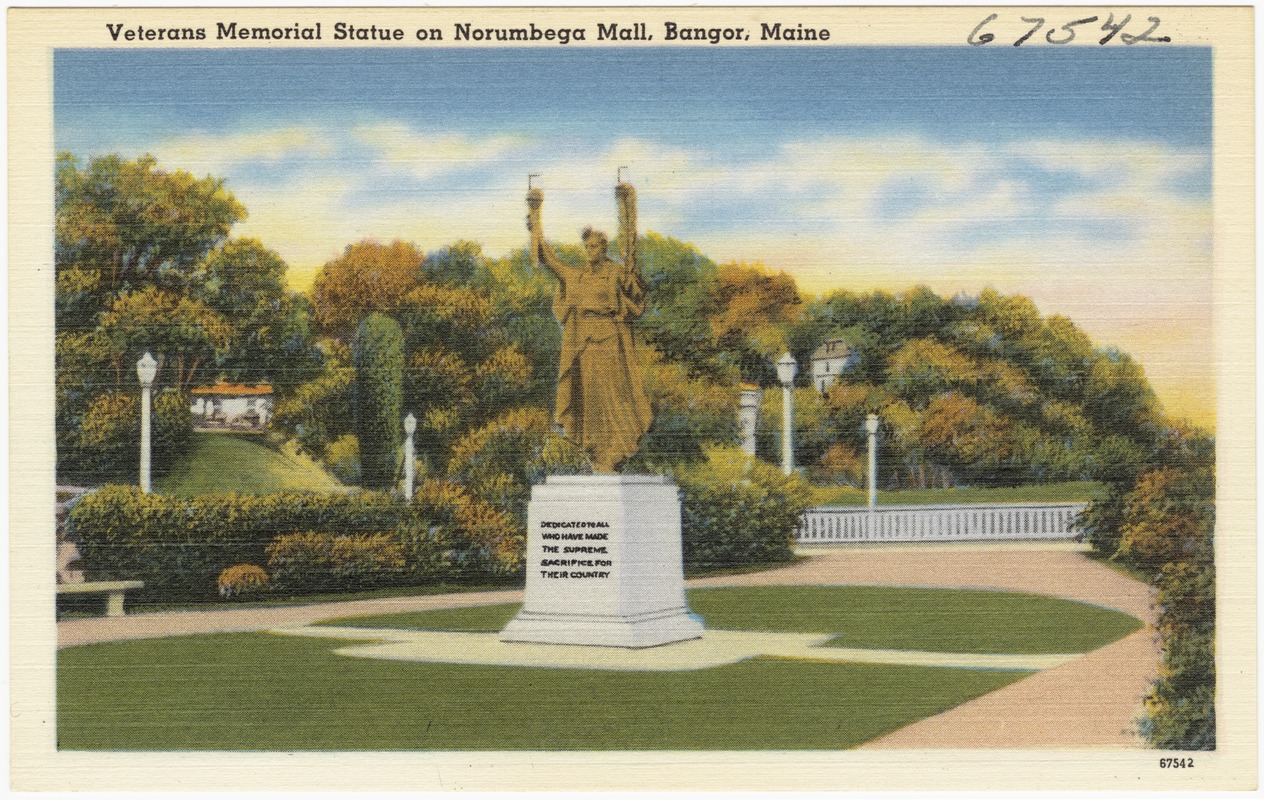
410,427
787,368
871,425
748,419
146,371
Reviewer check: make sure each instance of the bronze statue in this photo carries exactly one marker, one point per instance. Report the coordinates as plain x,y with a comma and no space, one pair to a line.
601,402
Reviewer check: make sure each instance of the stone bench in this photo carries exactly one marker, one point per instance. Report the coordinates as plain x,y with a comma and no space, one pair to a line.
113,590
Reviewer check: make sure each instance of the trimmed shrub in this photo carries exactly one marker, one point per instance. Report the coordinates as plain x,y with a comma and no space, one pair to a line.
324,562
242,580
109,437
343,459
173,429
499,541
738,511
378,399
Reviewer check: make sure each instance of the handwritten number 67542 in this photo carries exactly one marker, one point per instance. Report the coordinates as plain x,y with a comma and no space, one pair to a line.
979,37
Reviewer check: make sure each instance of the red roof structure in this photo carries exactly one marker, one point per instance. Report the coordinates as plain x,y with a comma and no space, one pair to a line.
234,389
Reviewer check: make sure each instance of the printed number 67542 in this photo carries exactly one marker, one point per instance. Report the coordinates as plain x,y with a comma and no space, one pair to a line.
1175,763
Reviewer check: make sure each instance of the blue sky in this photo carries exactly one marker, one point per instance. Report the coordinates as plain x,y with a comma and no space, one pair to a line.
1079,177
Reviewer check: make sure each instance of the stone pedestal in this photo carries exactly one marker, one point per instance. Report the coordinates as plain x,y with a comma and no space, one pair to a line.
604,564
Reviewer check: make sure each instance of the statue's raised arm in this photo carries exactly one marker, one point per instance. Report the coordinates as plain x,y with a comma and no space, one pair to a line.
540,251
625,196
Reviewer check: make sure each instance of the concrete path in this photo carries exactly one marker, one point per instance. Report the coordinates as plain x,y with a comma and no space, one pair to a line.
1087,702
715,648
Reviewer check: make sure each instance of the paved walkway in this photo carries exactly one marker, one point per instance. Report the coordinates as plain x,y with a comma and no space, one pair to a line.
1087,702
228,620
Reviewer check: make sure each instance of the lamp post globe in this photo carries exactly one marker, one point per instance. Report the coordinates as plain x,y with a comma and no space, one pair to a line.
147,369
787,369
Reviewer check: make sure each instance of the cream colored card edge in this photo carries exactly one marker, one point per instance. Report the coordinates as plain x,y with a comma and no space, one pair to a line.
37,765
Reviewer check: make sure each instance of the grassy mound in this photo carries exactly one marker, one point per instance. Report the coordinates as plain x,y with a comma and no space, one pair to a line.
226,462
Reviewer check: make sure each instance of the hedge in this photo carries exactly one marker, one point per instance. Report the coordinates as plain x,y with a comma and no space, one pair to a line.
179,546
326,562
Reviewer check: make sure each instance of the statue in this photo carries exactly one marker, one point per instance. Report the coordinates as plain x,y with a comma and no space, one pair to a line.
601,402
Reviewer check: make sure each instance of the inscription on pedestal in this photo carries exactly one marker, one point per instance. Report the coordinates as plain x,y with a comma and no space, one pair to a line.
571,555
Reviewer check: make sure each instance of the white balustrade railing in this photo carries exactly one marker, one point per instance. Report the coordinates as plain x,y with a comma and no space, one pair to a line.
945,523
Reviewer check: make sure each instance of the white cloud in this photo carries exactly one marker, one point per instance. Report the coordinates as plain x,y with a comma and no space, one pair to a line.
426,155
218,153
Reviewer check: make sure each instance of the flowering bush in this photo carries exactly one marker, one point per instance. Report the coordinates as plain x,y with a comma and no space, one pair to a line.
241,580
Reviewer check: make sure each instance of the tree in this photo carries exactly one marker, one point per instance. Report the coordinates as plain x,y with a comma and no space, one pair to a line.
680,301
924,368
125,225
368,277
244,281
378,398
185,335
753,309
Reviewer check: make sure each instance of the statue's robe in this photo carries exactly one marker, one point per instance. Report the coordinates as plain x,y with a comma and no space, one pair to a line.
601,400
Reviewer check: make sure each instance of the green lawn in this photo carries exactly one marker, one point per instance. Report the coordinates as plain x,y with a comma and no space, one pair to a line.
259,691
1069,492
256,691
227,462
887,617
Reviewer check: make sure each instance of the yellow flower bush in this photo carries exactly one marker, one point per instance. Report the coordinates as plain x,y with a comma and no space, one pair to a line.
241,580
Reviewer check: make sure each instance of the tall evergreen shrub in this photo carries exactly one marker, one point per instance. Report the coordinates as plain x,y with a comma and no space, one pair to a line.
378,398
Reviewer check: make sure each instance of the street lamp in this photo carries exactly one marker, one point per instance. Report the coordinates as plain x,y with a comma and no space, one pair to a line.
871,425
146,371
787,368
748,418
410,427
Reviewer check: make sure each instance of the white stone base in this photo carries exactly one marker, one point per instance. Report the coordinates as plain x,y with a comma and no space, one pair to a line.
604,564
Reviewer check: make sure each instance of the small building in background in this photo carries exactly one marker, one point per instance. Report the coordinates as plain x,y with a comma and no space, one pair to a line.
232,406
829,361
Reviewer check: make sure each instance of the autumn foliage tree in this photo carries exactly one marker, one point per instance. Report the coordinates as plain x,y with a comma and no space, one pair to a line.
367,278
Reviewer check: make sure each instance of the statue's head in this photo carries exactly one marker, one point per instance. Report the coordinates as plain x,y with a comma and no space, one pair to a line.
596,243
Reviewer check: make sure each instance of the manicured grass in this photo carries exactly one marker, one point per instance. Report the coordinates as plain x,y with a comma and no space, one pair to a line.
256,691
1069,492
887,617
934,620
484,619
227,462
